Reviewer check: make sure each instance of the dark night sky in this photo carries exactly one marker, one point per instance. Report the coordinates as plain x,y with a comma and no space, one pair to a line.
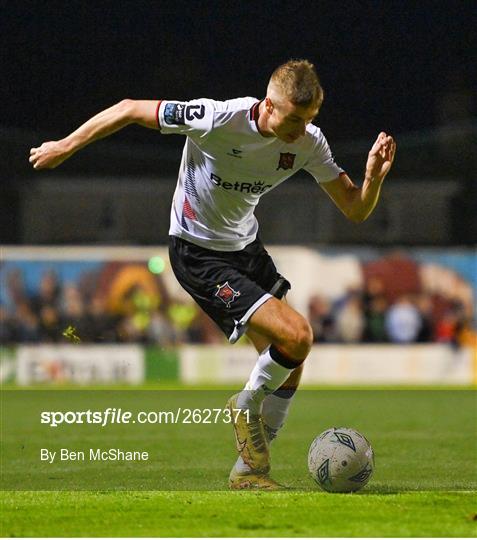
382,63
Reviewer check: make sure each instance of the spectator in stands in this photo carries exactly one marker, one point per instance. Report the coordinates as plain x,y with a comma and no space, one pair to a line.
374,288
131,330
160,330
26,323
321,321
403,321
7,329
446,328
100,325
426,331
209,332
16,289
50,325
375,327
452,324
73,312
48,294
350,321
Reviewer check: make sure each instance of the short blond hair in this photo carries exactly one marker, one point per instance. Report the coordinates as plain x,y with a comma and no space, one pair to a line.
298,81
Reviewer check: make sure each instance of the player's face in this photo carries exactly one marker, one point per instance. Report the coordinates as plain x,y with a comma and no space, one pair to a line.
288,121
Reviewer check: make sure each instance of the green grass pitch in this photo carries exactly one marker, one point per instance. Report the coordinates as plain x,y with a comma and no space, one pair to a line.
425,483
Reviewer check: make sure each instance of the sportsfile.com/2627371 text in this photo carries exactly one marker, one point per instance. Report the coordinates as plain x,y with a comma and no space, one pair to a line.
113,415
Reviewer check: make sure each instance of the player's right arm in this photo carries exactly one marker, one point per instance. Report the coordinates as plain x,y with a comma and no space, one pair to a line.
52,153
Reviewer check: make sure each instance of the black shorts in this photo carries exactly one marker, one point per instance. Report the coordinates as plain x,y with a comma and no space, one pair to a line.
228,285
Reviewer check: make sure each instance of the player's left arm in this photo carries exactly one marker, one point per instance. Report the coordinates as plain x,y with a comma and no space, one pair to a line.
355,202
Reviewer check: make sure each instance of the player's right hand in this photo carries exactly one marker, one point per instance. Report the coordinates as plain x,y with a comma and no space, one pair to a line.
49,155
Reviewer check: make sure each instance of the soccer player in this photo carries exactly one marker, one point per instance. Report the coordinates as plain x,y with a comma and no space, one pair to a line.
235,152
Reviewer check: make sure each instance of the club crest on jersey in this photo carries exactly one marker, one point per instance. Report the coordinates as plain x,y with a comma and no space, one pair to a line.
226,293
286,161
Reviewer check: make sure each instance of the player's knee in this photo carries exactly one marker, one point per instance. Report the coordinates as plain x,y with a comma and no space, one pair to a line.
305,338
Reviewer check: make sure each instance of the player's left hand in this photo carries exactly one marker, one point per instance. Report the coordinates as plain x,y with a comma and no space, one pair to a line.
381,157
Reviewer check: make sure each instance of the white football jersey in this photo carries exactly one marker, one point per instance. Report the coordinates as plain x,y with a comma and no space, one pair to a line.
227,165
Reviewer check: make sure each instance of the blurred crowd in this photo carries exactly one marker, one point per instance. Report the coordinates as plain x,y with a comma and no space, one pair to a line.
368,316
144,313
79,312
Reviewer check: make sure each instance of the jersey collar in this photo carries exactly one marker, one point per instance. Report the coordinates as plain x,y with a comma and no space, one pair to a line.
253,115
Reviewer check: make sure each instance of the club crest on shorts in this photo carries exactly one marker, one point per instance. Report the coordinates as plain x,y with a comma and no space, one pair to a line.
286,161
226,293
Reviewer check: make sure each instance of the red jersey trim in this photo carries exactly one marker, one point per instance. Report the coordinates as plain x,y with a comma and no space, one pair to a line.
187,210
157,113
255,114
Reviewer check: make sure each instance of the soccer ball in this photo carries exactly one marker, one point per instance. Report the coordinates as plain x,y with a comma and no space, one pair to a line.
341,460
